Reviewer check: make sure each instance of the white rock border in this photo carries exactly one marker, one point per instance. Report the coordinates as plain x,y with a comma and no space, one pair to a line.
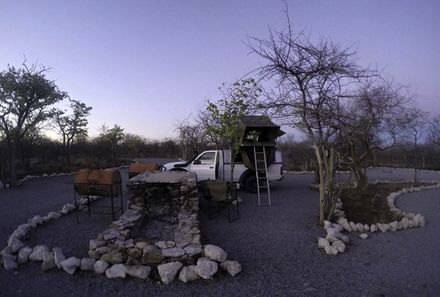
16,252
334,237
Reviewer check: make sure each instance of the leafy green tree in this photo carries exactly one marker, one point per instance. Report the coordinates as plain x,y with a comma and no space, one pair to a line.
238,100
70,126
26,96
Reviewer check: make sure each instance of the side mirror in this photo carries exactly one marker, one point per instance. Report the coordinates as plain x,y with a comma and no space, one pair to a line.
197,162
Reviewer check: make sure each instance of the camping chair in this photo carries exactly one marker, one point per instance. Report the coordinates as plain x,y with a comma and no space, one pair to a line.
220,199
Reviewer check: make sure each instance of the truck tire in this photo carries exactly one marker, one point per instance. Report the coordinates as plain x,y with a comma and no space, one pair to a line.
250,184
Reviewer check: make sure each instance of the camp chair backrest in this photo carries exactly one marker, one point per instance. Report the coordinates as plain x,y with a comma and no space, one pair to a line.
217,190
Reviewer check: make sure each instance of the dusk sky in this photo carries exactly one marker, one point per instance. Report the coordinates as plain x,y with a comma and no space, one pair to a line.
145,65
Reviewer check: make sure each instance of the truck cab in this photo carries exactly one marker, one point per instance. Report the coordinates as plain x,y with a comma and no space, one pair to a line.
216,165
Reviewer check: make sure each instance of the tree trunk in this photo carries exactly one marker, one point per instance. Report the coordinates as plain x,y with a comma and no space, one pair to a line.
12,163
330,173
68,151
361,179
321,172
374,153
231,148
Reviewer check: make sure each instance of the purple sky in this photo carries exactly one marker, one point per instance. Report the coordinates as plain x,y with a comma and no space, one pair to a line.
145,65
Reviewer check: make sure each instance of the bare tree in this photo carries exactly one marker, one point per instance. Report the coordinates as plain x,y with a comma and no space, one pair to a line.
192,138
313,79
414,121
371,122
434,130
71,126
26,96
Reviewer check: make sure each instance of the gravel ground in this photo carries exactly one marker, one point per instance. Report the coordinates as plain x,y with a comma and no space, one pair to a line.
276,246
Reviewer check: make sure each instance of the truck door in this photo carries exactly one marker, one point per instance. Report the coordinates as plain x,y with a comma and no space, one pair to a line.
205,165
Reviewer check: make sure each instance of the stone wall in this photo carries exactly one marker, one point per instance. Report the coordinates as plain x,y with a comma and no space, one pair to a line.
160,225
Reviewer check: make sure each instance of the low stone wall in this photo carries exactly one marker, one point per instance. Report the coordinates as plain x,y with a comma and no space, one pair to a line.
170,198
123,249
161,230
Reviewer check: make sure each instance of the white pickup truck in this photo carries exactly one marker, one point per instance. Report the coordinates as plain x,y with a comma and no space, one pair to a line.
216,165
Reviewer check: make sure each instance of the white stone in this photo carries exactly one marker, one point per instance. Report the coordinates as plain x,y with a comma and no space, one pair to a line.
373,228
334,235
363,235
327,225
48,263
100,266
339,246
53,215
173,252
193,249
338,227
353,226
366,228
110,234
416,219
360,227
7,251
409,215
393,226
383,227
206,268
39,253
96,243
23,254
168,271
405,223
347,226
87,264
322,242
15,245
67,208
215,253
9,263
188,274
422,221
70,265
18,233
58,256
161,244
231,267
330,250
139,271
36,220
116,271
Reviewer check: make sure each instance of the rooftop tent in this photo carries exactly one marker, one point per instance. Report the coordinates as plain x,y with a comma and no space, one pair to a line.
258,131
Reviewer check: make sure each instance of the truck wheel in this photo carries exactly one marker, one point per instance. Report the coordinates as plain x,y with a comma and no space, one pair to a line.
250,184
